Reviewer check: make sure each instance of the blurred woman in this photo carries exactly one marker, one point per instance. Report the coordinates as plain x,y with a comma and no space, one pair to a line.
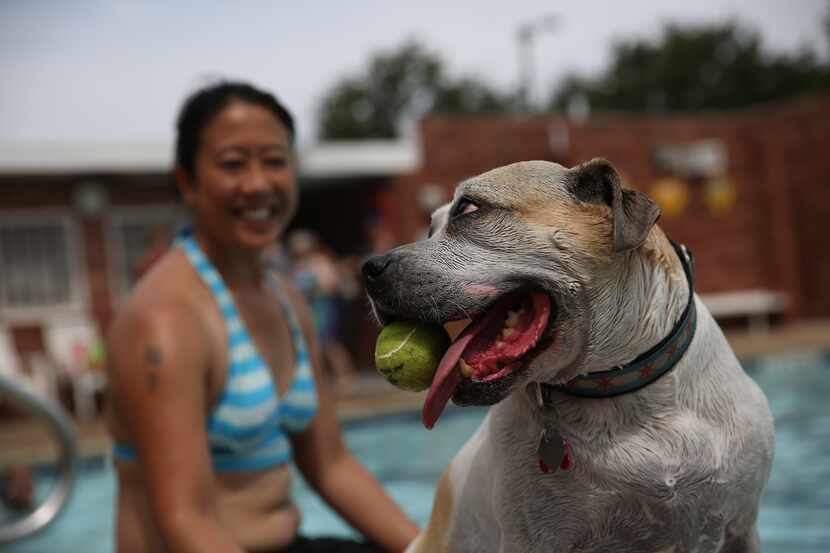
215,385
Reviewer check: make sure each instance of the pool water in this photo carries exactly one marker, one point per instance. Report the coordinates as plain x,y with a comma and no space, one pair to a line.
408,460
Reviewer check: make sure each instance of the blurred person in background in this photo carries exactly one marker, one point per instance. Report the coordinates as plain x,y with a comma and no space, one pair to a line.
215,383
325,283
17,488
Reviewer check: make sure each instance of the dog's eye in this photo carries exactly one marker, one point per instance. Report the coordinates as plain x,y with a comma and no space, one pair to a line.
464,206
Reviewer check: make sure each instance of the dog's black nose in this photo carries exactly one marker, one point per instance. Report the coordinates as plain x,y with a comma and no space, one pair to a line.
374,266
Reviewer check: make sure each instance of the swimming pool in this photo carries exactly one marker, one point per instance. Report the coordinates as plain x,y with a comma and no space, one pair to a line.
408,460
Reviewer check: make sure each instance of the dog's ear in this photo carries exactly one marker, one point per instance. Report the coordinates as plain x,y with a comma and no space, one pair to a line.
633,212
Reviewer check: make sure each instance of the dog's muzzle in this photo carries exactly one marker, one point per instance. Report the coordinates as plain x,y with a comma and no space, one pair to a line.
374,267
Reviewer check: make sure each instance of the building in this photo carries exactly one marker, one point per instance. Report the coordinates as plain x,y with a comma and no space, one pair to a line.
748,191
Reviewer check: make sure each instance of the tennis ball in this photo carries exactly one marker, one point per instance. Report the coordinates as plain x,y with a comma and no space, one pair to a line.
407,353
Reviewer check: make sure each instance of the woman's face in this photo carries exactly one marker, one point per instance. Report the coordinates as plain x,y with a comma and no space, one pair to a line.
243,189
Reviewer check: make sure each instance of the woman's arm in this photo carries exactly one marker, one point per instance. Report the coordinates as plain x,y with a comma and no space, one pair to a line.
159,393
332,470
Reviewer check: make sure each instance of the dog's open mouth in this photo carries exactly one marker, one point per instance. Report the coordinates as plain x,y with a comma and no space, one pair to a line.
490,349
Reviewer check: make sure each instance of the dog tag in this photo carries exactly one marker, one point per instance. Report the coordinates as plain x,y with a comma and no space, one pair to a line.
551,451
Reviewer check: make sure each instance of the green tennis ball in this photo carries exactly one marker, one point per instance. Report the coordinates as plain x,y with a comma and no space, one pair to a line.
407,353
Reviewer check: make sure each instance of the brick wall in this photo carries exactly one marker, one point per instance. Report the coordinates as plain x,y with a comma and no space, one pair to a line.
773,237
804,143
728,248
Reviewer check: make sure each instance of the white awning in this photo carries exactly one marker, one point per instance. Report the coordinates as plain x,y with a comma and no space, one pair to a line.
363,158
359,158
51,157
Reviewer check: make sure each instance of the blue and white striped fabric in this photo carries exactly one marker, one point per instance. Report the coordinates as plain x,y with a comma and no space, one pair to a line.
246,430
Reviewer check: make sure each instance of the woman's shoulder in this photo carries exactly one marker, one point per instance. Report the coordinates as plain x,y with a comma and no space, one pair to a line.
166,298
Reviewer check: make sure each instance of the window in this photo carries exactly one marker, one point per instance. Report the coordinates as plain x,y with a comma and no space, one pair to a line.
138,237
38,262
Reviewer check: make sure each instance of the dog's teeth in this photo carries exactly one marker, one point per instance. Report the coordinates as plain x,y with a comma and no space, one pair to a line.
466,369
512,319
507,332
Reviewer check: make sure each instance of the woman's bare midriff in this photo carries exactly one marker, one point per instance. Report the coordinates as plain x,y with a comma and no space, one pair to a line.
255,507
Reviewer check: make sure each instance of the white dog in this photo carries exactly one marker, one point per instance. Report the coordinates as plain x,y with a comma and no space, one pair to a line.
621,420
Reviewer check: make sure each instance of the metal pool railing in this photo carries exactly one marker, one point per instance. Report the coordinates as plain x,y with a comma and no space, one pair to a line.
63,431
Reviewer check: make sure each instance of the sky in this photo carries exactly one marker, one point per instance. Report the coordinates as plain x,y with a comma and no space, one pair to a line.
119,69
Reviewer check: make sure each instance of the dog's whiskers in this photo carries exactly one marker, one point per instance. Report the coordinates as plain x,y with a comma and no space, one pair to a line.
461,308
435,309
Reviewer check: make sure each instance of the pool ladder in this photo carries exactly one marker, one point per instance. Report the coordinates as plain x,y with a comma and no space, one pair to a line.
63,431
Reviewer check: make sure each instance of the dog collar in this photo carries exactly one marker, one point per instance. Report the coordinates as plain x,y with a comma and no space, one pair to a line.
647,367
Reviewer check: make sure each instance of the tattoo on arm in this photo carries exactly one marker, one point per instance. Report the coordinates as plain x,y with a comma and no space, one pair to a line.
153,357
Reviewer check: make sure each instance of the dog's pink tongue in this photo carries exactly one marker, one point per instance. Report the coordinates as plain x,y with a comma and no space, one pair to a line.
448,375
447,378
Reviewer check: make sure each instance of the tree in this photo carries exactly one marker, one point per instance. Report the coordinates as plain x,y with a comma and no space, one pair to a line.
827,30
694,68
405,83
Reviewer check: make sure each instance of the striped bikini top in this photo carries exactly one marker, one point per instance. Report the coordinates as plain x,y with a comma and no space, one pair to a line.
247,428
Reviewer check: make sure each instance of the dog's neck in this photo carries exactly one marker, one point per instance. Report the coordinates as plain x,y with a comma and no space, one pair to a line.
636,305
655,294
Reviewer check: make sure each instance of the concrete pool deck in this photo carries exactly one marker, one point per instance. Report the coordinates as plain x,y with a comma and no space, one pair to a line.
26,441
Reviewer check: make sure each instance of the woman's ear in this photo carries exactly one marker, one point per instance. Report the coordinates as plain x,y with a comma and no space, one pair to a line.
184,182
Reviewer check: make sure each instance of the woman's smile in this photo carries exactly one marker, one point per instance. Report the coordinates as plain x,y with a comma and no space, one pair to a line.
261,220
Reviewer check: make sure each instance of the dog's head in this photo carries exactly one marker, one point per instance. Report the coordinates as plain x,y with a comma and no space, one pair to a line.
520,251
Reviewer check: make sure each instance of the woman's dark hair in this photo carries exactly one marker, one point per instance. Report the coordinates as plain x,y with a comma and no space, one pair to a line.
201,106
